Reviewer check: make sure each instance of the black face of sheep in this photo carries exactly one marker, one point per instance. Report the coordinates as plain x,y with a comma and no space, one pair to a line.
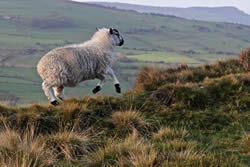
117,37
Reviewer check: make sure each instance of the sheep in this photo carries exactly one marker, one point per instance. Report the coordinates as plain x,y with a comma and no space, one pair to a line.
70,65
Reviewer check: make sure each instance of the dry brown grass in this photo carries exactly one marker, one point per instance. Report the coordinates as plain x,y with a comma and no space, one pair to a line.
245,143
70,109
68,144
23,150
126,121
185,75
149,78
245,59
166,133
211,101
133,151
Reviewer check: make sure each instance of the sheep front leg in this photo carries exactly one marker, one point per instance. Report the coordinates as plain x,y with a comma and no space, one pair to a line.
59,92
115,80
99,85
48,91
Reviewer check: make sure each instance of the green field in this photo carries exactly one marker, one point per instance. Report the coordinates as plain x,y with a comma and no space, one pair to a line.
30,28
165,57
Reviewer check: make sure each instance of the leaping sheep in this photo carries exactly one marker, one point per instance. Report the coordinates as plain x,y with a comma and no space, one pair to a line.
68,66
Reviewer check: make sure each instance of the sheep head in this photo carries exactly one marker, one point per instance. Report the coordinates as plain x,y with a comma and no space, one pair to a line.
116,37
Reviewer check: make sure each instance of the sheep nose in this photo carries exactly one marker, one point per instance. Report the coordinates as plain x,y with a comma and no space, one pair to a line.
121,43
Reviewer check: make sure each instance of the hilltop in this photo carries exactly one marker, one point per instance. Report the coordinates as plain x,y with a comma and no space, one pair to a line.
29,29
215,14
179,116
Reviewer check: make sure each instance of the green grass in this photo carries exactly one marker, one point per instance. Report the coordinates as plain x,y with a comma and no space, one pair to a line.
182,116
164,57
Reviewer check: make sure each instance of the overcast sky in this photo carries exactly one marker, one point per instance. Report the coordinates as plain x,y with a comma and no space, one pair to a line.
241,4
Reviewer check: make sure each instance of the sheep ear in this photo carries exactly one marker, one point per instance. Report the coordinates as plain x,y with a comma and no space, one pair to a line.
97,29
111,30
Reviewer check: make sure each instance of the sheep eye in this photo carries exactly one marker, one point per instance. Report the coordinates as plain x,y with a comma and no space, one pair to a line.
115,31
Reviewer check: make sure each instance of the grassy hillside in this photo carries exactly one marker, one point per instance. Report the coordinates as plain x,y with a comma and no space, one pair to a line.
183,116
30,28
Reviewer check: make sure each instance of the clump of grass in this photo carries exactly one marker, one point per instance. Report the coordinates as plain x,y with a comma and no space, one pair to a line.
184,158
150,78
40,116
68,144
27,116
245,59
185,95
211,92
144,158
4,111
172,141
179,145
245,143
38,108
70,109
177,151
175,148
133,151
185,75
102,105
19,150
166,133
69,113
126,121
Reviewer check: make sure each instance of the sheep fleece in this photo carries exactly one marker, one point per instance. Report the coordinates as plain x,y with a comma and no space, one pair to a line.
73,64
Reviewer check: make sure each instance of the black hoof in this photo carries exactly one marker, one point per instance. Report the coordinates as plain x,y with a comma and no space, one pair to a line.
55,103
118,88
97,89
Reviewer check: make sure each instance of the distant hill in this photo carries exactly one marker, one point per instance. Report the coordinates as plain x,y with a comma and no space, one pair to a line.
217,14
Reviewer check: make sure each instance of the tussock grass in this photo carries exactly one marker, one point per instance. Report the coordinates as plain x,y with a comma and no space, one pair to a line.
176,148
126,121
68,144
39,116
245,59
166,133
245,143
151,78
181,116
193,158
69,110
226,89
133,151
184,158
19,150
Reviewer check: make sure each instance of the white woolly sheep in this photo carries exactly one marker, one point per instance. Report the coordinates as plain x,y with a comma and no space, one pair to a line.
68,66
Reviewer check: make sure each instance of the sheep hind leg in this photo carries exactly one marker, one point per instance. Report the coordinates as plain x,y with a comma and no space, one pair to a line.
99,85
59,92
48,91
